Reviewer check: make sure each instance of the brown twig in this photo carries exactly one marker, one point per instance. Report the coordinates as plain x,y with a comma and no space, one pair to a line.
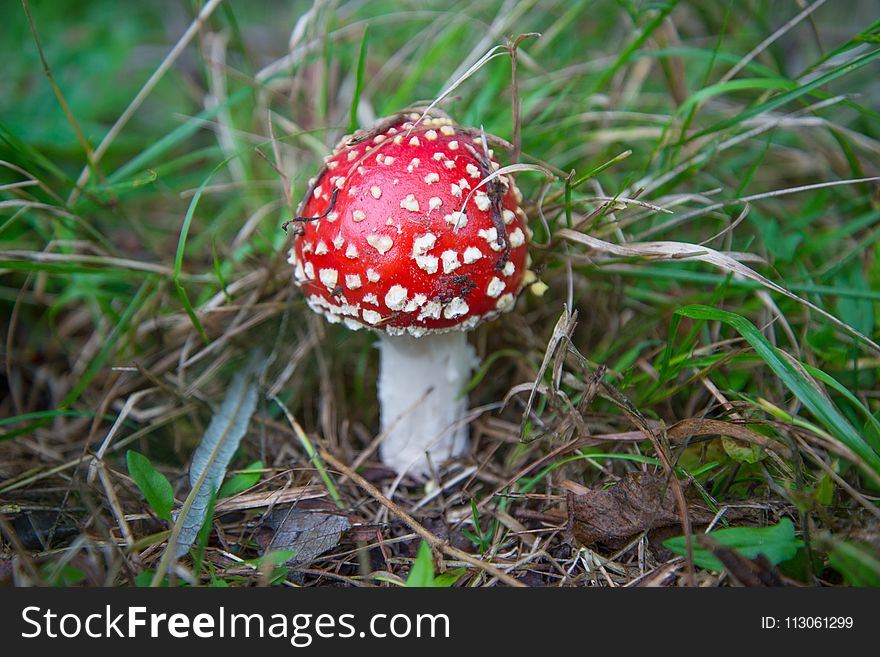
514,91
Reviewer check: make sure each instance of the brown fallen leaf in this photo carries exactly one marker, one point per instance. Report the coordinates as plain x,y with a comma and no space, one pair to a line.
639,501
308,533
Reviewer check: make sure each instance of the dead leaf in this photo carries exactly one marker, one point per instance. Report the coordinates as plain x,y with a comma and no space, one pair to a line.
639,501
308,533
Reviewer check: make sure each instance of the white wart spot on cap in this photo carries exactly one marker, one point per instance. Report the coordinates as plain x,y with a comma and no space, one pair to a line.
382,243
453,145
333,216
509,268
428,263
318,191
495,287
456,308
431,135
434,202
482,201
432,177
376,192
490,235
505,303
329,277
472,170
340,182
449,164
309,270
338,241
450,261
371,317
471,254
517,238
410,203
413,163
455,189
423,244
437,156
464,184
321,248
447,130
508,216
430,310
388,161
415,303
456,219
371,298
358,216
395,298
415,142
351,155
351,251
352,281
373,276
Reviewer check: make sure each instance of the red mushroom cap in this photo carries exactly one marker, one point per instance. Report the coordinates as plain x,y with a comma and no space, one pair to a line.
397,233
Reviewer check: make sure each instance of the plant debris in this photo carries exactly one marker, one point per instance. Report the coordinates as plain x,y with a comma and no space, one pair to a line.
307,533
638,502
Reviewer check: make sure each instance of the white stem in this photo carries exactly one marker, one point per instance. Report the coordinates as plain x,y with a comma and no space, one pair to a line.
420,400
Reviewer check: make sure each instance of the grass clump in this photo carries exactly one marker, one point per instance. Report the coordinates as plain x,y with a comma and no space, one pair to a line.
702,186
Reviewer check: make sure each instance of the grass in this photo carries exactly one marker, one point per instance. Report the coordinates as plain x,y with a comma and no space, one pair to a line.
702,185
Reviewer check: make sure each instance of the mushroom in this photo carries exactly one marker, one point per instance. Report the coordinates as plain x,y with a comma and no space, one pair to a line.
406,231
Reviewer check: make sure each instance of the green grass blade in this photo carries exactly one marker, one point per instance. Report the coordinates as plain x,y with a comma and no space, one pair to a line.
825,411
629,52
181,247
108,345
794,94
359,80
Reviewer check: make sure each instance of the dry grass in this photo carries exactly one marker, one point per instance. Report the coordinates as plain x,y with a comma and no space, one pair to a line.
137,276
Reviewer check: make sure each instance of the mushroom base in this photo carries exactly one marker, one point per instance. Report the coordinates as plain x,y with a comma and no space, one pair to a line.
421,406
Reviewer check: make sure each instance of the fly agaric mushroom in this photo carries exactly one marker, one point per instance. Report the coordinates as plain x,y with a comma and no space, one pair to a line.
406,231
